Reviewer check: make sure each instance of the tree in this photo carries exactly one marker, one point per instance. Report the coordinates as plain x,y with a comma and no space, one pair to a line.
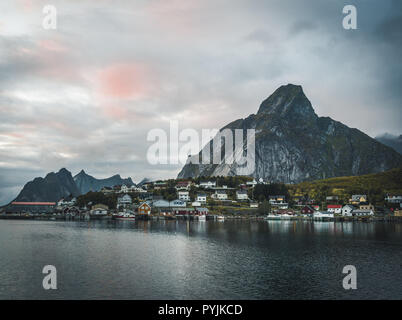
264,208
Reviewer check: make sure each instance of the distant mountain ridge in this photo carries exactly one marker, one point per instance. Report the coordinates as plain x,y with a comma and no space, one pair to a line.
293,144
86,183
392,141
62,184
51,188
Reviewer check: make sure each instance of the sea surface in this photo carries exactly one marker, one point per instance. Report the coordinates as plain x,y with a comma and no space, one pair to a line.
200,260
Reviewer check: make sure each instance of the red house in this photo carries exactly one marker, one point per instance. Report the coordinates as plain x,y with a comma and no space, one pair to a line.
307,210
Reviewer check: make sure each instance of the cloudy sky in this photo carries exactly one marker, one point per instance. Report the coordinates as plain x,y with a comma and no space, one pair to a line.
86,94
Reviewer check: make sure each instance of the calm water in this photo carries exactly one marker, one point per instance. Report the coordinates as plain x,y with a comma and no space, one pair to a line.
200,260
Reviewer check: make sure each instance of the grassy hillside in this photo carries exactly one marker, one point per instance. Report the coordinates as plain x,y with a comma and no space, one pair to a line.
376,186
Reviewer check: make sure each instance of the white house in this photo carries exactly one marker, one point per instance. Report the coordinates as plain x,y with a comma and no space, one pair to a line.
251,183
124,189
201,197
178,203
196,204
184,195
241,195
347,210
253,204
124,200
220,195
360,212
67,202
334,208
208,184
393,199
161,203
137,189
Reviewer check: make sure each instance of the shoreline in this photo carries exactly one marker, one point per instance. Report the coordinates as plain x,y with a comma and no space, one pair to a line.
55,217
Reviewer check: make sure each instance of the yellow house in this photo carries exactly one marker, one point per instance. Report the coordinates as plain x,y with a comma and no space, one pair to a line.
357,199
398,213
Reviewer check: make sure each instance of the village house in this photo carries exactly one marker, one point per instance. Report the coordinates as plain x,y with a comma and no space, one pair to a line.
106,190
124,189
241,195
334,208
398,213
253,204
356,199
220,195
184,195
208,184
358,212
393,199
161,203
366,207
67,202
144,208
347,210
196,204
124,201
30,207
201,197
278,201
273,200
202,211
307,210
99,209
137,189
160,185
251,183
331,198
183,185
177,203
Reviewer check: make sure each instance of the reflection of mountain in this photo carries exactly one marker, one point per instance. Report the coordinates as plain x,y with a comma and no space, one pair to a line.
293,144
86,183
392,141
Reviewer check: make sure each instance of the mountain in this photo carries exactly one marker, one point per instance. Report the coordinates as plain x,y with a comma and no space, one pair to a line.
86,183
392,141
51,188
143,181
293,144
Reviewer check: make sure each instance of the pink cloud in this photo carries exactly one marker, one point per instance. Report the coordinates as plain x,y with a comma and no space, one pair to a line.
123,81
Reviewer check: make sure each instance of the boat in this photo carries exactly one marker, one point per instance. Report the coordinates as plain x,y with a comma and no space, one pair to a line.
124,216
202,218
221,218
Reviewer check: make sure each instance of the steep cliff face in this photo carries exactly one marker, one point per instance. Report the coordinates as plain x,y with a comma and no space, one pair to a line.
293,144
86,183
51,188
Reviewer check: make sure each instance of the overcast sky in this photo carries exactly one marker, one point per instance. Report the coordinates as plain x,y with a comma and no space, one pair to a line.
86,94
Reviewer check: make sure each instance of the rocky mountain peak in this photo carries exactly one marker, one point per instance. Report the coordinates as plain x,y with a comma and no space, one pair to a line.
287,100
